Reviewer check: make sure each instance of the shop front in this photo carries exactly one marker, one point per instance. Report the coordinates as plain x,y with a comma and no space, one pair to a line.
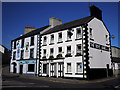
27,67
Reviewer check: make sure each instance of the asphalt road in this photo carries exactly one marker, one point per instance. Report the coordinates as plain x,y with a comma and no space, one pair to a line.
18,82
21,81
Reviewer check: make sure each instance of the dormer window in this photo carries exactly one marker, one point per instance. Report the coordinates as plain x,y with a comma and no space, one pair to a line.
78,33
44,40
69,34
52,39
59,37
32,41
91,33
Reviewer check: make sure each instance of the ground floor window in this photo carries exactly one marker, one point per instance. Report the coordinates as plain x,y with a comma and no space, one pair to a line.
44,68
31,67
68,67
79,67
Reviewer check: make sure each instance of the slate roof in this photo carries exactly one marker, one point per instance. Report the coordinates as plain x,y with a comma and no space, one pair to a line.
34,32
69,25
116,59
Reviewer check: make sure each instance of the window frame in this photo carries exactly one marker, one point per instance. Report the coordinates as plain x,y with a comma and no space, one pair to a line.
32,41
22,56
52,38
44,40
69,35
45,72
22,43
30,68
80,35
14,55
32,53
59,39
69,71
50,51
70,49
80,52
79,71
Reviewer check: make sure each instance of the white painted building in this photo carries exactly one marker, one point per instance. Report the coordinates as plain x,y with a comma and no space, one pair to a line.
79,49
25,53
116,60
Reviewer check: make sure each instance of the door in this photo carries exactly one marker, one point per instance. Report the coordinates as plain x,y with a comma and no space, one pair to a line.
21,69
14,69
52,70
60,69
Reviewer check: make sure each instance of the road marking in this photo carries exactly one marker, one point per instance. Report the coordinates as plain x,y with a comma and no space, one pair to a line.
117,86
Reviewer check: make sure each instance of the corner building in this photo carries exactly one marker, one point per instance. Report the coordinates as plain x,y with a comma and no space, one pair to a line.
77,49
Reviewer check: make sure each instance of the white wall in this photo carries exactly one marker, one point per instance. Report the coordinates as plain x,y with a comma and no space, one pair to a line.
25,67
73,60
99,59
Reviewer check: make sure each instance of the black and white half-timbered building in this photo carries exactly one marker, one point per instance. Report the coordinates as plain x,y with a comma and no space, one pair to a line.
77,49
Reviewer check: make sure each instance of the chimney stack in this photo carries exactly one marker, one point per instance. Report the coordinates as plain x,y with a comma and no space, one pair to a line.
96,12
29,29
54,22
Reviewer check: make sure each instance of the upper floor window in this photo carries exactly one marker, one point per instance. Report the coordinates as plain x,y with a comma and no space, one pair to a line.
44,52
68,49
78,33
14,44
14,55
69,34
52,39
79,50
51,52
106,38
59,50
31,53
22,43
44,40
22,54
32,40
59,37
26,45
91,33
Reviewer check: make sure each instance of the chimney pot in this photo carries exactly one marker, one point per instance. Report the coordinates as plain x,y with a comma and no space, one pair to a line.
27,26
31,26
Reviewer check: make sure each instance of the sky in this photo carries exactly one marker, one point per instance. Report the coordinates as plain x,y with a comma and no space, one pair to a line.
17,15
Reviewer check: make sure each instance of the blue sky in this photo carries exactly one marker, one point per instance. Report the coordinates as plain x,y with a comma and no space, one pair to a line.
17,15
